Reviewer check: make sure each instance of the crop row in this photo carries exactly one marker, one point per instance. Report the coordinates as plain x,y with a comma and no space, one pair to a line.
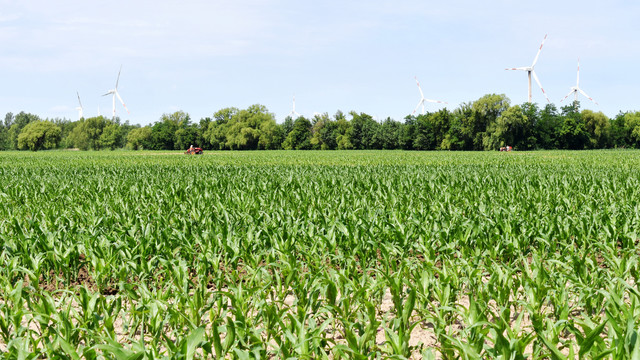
353,255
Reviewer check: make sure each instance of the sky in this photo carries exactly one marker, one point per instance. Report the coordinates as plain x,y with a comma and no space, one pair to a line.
202,56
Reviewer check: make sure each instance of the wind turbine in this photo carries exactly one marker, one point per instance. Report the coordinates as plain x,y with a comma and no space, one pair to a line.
115,93
576,89
294,114
423,100
79,108
530,71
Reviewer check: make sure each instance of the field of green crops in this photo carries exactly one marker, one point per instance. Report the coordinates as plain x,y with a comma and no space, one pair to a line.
320,255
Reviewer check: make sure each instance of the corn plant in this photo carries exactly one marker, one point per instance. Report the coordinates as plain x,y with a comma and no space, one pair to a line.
343,255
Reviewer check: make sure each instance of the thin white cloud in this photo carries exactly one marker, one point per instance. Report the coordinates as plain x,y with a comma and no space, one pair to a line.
60,109
332,54
61,32
9,17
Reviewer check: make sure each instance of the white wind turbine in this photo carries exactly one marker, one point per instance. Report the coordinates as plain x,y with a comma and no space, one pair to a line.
294,114
79,108
423,100
576,89
530,71
115,93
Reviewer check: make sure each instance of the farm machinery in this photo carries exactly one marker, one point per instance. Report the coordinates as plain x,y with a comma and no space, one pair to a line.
194,151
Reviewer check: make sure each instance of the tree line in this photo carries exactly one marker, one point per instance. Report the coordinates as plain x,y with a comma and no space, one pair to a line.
488,123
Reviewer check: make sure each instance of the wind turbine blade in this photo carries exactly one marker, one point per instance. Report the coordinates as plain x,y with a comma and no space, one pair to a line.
79,102
541,88
109,93
526,68
125,106
436,101
294,115
587,96
578,81
118,79
569,94
419,88
418,106
539,50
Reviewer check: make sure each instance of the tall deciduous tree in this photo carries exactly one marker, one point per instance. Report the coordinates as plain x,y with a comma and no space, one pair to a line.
19,122
364,131
547,128
243,131
598,127
39,135
140,138
389,134
573,134
300,136
510,128
163,132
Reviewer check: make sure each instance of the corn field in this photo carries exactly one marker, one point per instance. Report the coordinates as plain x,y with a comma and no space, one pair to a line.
320,255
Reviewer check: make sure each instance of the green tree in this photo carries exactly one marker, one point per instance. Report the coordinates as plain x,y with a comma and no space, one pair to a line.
454,138
163,132
110,137
124,133
216,131
625,130
66,126
271,137
19,121
300,136
203,126
408,133
424,136
140,138
216,135
320,122
511,128
243,130
78,137
87,133
547,128
4,138
324,133
343,131
287,126
39,135
573,134
598,127
390,132
478,116
8,120
364,132
632,128
187,136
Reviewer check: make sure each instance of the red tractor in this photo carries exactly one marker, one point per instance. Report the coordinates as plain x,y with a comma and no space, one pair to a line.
194,151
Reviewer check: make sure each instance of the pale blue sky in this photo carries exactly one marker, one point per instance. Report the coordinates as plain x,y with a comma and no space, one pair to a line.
201,56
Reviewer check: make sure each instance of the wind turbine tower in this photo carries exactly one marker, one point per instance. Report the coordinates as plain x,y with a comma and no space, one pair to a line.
576,89
294,114
79,108
530,71
423,100
115,94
